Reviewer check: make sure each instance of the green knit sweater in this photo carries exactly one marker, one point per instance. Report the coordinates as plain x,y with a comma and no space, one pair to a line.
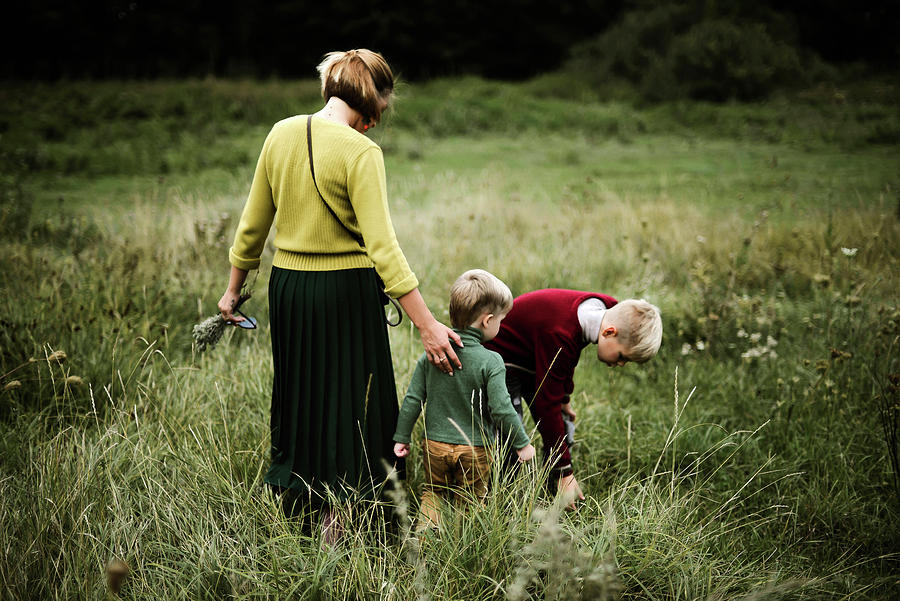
479,388
350,174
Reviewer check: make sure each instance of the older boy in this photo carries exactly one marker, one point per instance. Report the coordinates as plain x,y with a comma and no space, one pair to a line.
541,340
463,408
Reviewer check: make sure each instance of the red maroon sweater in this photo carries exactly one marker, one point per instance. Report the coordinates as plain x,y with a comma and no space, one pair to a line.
540,324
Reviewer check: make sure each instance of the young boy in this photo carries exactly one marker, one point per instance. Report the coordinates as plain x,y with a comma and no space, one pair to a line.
463,409
541,340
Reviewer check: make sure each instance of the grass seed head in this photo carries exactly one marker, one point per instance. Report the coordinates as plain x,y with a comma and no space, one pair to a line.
58,356
116,573
822,279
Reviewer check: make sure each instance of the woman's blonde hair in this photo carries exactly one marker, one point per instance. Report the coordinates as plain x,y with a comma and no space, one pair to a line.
361,78
475,293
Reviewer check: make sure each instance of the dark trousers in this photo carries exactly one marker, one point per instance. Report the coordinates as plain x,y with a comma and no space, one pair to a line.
520,383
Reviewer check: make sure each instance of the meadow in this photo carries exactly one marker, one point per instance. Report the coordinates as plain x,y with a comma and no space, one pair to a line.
756,457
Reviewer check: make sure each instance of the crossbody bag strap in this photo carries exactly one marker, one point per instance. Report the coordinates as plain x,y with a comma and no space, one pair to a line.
356,237
312,170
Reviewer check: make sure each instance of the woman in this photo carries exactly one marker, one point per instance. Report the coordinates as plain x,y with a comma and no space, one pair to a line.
334,403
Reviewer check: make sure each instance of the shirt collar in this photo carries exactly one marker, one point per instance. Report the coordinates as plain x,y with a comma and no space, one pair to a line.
470,334
590,317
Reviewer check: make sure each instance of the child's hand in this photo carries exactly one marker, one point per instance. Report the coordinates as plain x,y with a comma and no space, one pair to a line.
401,449
569,489
526,453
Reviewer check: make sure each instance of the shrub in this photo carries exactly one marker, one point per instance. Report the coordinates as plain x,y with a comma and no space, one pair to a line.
720,60
692,51
628,49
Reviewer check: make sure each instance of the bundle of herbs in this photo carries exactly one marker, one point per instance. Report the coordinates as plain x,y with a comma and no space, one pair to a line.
208,332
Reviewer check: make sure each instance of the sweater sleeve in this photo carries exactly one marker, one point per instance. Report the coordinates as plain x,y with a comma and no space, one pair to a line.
368,194
554,385
256,219
412,403
503,415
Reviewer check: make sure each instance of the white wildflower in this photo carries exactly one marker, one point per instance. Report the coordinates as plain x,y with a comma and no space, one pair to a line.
700,345
686,349
849,252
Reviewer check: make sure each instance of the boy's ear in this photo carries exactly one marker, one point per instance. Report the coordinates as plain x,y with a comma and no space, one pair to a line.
485,319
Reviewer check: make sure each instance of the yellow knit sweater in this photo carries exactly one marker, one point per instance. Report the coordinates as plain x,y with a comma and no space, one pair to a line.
350,174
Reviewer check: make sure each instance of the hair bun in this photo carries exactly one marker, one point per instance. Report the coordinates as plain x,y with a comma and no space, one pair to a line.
363,84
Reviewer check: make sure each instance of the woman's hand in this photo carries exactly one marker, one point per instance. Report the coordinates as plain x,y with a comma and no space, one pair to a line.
567,410
436,336
436,340
232,294
227,304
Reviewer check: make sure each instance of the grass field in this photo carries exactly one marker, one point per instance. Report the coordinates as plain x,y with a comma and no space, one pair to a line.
754,458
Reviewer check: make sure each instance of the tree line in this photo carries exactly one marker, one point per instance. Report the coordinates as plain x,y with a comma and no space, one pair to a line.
509,39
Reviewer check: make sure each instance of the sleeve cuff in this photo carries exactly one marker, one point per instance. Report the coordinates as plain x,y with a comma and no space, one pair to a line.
241,262
398,289
564,470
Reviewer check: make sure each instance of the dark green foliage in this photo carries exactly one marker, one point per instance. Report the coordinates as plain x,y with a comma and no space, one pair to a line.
720,60
424,38
196,38
632,46
699,51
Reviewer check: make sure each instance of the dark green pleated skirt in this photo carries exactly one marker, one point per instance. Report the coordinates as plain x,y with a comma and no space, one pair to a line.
334,401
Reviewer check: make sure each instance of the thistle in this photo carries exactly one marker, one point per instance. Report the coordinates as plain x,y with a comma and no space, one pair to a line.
208,332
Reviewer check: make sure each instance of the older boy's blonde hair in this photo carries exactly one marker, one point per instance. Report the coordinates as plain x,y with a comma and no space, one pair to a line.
639,327
475,293
361,78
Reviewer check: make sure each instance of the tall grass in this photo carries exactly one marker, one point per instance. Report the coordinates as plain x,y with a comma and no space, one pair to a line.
748,460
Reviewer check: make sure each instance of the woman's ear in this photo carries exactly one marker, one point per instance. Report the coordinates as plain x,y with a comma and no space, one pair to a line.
609,331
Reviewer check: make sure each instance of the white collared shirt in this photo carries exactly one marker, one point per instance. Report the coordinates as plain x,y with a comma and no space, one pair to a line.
590,316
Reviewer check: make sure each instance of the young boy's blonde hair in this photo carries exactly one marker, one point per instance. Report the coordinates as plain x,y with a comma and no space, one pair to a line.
639,327
475,293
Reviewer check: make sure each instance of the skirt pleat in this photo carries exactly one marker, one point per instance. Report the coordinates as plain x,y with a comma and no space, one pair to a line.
334,399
